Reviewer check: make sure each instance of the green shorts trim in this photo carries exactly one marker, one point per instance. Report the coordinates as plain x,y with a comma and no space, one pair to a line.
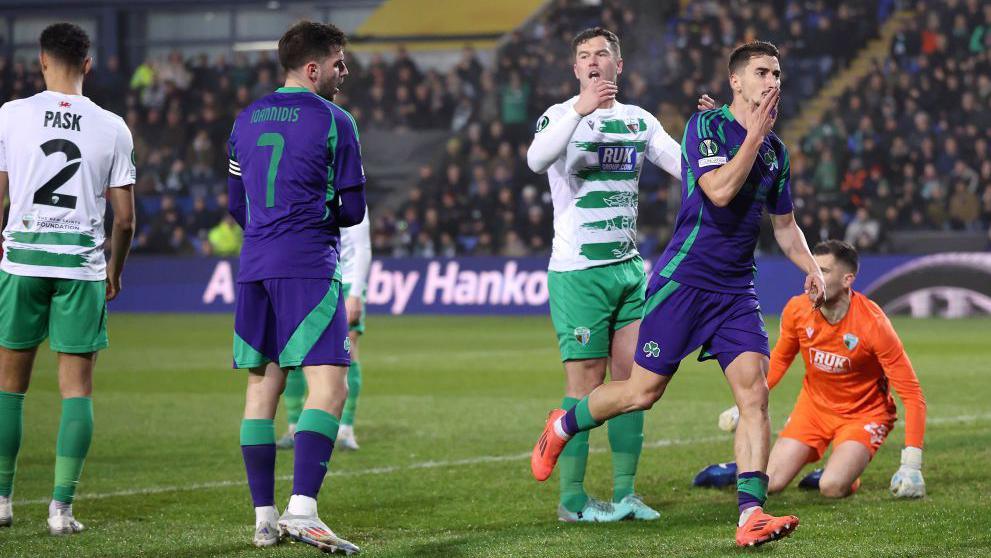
360,328
71,313
588,305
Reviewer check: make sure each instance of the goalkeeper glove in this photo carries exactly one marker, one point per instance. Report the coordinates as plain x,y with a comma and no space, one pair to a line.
729,419
907,481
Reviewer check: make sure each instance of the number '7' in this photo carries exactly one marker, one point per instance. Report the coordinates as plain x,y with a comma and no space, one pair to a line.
278,145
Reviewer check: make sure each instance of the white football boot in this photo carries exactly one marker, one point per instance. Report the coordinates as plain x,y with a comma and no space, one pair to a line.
6,512
266,527
345,438
306,527
61,521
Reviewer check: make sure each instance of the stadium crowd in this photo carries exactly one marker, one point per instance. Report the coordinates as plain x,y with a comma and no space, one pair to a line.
907,149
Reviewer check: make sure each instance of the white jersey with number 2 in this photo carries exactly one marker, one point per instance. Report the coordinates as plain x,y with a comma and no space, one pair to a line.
61,153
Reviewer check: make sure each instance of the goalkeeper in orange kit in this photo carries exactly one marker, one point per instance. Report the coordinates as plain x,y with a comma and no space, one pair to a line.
853,358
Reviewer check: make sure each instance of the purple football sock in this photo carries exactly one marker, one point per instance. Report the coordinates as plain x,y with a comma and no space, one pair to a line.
259,461
258,451
312,455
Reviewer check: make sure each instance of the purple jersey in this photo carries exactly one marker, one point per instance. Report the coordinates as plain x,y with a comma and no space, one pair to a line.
291,155
713,247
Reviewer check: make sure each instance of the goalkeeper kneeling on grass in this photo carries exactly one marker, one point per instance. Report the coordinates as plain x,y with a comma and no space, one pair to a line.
853,357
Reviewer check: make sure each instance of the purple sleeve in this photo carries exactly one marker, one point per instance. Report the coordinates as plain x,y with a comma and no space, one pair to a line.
779,198
351,210
701,147
236,200
348,171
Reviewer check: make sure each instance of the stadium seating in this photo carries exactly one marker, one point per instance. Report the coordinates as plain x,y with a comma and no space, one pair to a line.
904,149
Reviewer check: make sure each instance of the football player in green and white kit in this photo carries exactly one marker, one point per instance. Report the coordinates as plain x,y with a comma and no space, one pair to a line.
592,148
356,261
61,158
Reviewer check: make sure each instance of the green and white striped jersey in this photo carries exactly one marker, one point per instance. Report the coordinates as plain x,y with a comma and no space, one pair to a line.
594,183
60,153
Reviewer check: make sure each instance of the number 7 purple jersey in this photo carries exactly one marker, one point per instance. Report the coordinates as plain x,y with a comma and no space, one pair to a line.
713,247
291,154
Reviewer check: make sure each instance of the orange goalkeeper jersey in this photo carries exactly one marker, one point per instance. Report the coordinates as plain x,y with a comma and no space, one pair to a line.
850,366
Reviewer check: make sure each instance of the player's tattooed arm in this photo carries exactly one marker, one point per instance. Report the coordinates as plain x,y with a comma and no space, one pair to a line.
793,244
724,183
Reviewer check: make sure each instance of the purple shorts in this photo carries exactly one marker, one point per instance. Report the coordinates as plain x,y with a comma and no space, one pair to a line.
292,322
678,318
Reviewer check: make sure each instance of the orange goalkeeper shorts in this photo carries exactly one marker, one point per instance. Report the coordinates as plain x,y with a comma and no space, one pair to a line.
817,428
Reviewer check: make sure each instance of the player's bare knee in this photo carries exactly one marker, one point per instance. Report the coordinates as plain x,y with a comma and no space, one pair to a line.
832,488
775,484
752,401
14,383
583,376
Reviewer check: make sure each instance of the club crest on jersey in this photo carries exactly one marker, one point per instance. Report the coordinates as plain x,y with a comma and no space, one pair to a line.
583,335
651,349
28,221
809,331
617,158
543,122
829,362
850,340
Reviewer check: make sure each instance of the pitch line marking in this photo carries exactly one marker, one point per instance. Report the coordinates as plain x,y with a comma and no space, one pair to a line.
425,465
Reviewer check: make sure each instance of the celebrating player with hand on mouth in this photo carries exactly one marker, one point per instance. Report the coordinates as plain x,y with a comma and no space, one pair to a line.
701,291
593,148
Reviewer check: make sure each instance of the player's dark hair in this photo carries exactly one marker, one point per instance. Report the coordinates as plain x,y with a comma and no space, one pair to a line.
309,40
593,32
67,43
843,252
742,54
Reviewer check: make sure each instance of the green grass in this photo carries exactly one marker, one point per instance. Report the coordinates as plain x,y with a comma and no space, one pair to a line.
441,395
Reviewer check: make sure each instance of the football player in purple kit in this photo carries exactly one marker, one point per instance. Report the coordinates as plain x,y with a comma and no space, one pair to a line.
295,179
701,292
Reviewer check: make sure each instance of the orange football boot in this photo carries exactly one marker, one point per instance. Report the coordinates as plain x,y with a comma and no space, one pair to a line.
762,528
548,448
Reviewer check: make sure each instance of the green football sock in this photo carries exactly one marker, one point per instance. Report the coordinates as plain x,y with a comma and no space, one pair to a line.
626,443
294,394
319,421
354,390
583,416
11,426
74,436
572,464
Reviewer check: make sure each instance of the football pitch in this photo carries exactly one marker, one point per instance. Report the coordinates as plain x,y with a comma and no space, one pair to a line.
449,411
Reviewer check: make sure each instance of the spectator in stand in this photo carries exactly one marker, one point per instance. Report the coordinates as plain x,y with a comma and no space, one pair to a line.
863,231
225,238
900,145
964,208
